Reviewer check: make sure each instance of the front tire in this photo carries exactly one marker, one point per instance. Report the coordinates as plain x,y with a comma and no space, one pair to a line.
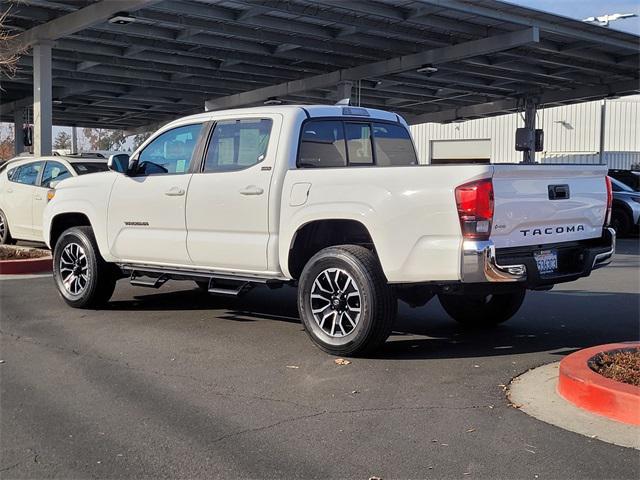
478,311
345,303
83,278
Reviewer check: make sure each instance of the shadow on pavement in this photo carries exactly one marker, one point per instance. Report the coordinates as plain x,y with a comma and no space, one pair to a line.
558,321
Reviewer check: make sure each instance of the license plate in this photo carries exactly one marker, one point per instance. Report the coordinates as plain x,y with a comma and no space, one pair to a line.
547,261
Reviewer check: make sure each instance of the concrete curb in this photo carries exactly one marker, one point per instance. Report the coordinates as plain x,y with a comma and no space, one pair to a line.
583,387
534,393
26,266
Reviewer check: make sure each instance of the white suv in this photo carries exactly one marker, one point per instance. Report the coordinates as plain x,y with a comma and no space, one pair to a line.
25,185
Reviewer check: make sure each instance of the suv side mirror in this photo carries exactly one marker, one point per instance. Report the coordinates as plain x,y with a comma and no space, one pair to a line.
118,163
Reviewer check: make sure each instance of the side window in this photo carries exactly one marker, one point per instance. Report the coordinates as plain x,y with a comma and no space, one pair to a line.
359,143
54,172
11,173
27,174
393,145
237,144
322,144
171,152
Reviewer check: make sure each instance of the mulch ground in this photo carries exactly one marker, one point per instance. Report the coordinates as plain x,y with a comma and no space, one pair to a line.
8,252
621,366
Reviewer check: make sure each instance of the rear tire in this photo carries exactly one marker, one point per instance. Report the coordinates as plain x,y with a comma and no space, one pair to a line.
345,303
482,311
5,233
83,278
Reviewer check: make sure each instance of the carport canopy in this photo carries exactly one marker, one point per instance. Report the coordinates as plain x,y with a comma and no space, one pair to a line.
428,60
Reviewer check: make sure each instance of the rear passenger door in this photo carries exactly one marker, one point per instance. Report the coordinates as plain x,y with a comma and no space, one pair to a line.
228,199
19,198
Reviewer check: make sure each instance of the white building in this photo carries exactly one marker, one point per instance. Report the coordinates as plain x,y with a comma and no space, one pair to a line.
572,134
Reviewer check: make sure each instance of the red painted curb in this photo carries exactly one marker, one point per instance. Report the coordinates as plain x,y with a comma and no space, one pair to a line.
587,389
26,266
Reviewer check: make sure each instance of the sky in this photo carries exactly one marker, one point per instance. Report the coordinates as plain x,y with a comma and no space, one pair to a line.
581,9
577,9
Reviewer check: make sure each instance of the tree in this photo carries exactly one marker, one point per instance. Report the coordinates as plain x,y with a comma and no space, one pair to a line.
62,141
103,139
6,143
9,54
140,139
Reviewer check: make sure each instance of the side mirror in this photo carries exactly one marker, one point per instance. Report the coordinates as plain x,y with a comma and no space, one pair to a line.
118,163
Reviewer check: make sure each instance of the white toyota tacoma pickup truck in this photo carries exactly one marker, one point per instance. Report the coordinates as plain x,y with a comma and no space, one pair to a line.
331,199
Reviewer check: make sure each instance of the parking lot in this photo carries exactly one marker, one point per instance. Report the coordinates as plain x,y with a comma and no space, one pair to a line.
175,383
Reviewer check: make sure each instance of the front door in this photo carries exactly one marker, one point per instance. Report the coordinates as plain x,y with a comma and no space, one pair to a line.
54,172
228,201
146,216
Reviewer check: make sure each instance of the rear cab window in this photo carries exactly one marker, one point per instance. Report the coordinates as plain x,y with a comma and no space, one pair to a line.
82,168
351,142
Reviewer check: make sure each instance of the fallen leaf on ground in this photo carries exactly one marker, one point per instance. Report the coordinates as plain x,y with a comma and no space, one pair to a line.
1,361
341,361
375,478
471,430
354,392
293,366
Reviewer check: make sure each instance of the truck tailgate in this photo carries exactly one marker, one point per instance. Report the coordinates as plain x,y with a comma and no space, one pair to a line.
542,204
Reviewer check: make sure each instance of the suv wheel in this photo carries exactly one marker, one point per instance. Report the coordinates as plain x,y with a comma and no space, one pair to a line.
482,310
5,234
345,302
83,278
620,222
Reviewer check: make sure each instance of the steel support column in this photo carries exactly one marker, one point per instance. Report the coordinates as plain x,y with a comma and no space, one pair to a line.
344,90
74,139
42,99
530,109
18,125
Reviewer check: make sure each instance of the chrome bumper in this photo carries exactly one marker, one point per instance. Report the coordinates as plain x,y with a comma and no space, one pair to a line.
479,264
603,259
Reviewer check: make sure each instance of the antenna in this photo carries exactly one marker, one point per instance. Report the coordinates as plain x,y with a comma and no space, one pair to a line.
344,101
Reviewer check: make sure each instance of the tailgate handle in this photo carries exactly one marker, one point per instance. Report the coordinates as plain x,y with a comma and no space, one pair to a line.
558,192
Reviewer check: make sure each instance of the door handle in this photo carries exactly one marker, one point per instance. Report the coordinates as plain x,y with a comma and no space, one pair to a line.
37,197
251,190
174,192
9,190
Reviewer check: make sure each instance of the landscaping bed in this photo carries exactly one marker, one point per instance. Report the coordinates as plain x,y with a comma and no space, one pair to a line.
22,260
619,365
11,252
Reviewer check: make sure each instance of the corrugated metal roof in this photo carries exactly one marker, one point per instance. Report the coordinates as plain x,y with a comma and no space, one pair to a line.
180,53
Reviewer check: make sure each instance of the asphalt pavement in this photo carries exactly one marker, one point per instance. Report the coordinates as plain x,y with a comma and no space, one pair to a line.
176,383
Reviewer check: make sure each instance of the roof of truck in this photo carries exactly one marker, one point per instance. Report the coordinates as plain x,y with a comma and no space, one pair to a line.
311,111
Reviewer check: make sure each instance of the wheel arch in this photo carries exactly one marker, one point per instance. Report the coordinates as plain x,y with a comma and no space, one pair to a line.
313,235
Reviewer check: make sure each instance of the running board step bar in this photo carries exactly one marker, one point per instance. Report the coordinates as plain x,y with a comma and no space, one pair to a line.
229,291
151,282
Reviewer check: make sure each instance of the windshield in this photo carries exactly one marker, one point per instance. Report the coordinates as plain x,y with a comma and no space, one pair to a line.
89,167
618,186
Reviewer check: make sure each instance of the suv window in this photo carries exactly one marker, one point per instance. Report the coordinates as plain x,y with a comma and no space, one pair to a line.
237,144
170,152
393,145
322,144
27,174
54,172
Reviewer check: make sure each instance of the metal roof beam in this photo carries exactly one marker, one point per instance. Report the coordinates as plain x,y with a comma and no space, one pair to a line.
385,67
544,98
73,22
502,16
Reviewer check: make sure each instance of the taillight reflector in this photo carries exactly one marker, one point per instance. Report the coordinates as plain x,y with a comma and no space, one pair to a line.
607,219
475,208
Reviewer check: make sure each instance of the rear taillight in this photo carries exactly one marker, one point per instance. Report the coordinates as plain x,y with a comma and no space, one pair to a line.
475,208
607,218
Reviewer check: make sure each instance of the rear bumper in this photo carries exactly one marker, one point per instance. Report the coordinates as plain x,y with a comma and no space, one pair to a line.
482,262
